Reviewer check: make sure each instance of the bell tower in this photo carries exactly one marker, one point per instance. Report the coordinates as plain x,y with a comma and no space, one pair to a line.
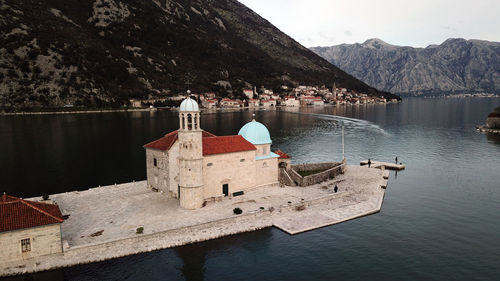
190,156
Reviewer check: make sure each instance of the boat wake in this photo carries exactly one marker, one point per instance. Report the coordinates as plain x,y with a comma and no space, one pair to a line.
347,122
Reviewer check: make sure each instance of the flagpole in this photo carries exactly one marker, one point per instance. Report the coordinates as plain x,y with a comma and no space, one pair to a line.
343,157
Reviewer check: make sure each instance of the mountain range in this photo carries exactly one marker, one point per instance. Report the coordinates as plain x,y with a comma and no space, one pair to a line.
455,66
105,52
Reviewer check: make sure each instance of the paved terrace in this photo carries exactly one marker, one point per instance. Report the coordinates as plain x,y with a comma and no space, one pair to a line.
102,221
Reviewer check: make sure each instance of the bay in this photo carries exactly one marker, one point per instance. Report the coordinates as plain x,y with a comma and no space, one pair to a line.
439,220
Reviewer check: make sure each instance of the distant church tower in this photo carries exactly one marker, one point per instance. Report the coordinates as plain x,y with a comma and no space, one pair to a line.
190,156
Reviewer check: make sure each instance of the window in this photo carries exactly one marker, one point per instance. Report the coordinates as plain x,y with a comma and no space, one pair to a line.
264,150
190,122
242,160
25,245
209,164
155,162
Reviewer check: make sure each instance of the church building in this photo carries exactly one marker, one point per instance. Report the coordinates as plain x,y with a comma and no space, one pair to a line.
195,166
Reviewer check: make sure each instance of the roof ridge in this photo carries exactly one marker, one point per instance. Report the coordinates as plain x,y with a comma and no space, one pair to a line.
5,197
224,136
28,203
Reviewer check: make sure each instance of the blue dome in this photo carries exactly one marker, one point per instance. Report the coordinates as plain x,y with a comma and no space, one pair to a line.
189,105
255,132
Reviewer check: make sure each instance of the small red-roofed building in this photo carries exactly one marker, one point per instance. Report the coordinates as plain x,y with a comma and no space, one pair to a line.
28,229
195,166
230,103
311,100
284,160
291,101
248,93
209,103
268,103
253,103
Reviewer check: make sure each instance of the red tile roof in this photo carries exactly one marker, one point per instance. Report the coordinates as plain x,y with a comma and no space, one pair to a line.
211,143
166,142
226,144
282,154
16,213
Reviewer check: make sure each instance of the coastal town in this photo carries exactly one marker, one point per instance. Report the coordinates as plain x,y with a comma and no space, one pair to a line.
263,97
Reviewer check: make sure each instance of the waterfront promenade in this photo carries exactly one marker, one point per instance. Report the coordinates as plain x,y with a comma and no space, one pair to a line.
102,222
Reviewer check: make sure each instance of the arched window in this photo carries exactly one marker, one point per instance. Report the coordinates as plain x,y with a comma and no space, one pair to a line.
189,122
183,126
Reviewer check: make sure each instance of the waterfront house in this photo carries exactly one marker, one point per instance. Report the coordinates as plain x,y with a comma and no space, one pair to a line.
253,103
311,100
268,103
209,103
290,101
265,96
230,103
135,103
248,93
28,229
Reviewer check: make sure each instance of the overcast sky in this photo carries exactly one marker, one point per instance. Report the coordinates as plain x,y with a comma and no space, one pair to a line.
399,22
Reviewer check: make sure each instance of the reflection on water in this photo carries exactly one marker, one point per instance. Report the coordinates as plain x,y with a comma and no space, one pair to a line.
194,256
55,275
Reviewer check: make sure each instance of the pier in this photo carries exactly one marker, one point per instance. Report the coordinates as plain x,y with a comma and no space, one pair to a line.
383,165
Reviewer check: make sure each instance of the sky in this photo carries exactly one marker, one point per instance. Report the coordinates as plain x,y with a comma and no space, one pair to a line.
399,22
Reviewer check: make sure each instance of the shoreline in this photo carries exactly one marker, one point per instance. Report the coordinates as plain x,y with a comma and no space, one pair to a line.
175,108
74,112
291,209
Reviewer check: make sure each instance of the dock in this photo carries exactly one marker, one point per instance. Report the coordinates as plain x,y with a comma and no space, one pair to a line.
383,165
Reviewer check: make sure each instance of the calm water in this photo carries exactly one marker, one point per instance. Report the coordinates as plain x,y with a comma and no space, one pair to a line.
440,218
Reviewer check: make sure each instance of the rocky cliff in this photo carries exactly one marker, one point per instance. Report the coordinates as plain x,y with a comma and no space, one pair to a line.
104,52
455,66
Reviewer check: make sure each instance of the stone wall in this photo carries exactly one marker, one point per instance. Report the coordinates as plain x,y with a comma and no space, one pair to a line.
191,198
145,243
190,159
314,166
285,178
173,170
157,176
236,169
266,171
331,170
44,240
